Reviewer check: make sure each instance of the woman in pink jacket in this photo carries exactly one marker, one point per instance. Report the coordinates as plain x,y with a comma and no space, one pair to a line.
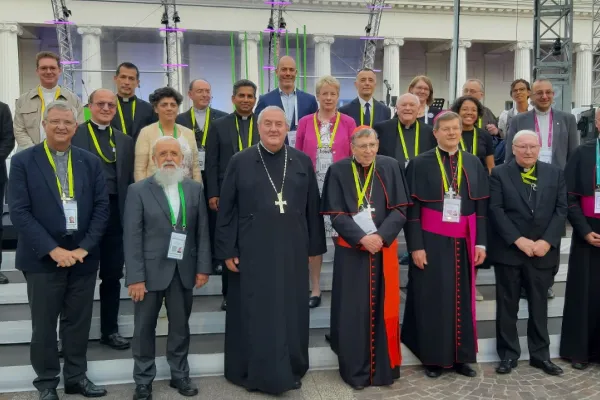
325,137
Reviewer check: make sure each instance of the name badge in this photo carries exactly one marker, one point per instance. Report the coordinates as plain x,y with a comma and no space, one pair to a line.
546,156
365,222
70,210
201,158
324,160
292,138
451,210
597,202
176,246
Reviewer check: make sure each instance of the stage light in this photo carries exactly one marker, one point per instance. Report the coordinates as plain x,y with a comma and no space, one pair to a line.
176,18
165,19
557,47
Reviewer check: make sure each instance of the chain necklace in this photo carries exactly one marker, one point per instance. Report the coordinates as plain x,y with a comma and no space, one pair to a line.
280,202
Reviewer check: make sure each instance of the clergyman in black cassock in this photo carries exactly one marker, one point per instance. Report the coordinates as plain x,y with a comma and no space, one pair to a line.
268,226
439,324
527,211
365,318
580,337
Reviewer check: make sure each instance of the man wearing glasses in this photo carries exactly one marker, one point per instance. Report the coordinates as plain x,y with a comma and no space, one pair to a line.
116,151
475,88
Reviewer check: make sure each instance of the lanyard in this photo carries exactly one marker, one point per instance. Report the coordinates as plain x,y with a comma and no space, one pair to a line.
401,133
69,173
362,115
44,101
597,163
237,125
479,122
318,131
183,211
110,141
426,116
528,177
550,128
361,193
443,170
474,148
123,126
206,120
174,130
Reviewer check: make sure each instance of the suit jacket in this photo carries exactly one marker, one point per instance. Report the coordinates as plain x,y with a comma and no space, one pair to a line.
7,139
125,154
565,138
185,119
512,217
221,145
37,213
307,104
28,115
144,116
147,234
381,112
389,140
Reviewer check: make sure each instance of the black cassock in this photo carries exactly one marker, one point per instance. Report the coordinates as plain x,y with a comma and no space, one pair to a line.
439,324
267,322
580,337
363,334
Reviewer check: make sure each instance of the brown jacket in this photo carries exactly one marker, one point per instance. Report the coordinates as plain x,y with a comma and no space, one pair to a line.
28,115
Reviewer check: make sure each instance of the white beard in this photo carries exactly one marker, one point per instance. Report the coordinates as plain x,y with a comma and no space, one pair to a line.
169,176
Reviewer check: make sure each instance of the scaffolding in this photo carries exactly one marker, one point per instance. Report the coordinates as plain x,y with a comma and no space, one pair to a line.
63,33
371,33
553,48
170,19
275,28
596,50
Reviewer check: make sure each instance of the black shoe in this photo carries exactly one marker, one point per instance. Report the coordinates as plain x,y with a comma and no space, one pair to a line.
143,392
465,370
404,259
48,394
506,366
432,371
314,301
85,388
297,385
59,348
358,387
580,365
551,293
115,341
224,305
3,279
547,366
184,386
328,337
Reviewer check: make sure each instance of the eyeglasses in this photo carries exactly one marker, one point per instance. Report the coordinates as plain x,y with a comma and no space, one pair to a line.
111,106
56,123
541,93
525,148
370,146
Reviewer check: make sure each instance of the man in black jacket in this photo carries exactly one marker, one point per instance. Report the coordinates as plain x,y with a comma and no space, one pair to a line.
7,143
527,248
365,109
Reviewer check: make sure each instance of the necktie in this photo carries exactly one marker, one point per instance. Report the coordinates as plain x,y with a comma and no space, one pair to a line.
367,114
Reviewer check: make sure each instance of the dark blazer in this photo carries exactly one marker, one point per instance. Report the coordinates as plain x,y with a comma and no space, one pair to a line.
512,217
185,119
125,155
432,112
7,139
307,104
380,114
389,140
37,214
144,116
221,145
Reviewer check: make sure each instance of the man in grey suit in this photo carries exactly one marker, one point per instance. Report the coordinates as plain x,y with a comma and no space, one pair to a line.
167,253
556,130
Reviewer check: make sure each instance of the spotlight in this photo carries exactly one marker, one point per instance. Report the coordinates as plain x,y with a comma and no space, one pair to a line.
176,18
557,47
270,27
165,19
282,24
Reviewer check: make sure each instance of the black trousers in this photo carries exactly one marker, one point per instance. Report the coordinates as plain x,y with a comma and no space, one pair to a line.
212,223
71,295
536,282
112,260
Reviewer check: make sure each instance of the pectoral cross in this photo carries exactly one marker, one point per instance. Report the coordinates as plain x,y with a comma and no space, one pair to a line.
450,193
369,209
280,202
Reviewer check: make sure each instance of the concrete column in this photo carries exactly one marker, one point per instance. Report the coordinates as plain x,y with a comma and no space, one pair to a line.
522,51
391,66
461,67
10,88
323,55
584,78
91,58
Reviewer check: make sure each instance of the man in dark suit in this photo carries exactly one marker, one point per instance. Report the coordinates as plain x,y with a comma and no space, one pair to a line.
7,143
59,205
365,109
294,102
133,114
528,211
168,253
227,136
115,150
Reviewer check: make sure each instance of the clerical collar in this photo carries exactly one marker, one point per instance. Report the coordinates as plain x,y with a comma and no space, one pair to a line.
101,127
355,161
59,153
126,99
405,125
539,112
449,152
243,117
526,169
269,151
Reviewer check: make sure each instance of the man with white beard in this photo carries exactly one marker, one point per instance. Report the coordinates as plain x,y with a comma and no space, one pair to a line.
167,253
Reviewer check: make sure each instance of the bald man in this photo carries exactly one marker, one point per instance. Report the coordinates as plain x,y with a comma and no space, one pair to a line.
115,149
293,101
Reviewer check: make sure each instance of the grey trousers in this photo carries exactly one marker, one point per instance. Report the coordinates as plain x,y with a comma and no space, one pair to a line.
178,302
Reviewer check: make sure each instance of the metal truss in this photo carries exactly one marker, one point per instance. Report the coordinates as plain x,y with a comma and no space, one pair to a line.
169,20
276,27
65,47
596,50
553,47
371,31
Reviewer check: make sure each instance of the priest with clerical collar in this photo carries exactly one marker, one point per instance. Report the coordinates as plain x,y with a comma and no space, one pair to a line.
133,113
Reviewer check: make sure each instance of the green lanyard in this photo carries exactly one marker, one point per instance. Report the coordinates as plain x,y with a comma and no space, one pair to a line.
401,133
123,126
362,192
362,115
237,125
474,147
163,133
206,120
70,180
183,213
528,177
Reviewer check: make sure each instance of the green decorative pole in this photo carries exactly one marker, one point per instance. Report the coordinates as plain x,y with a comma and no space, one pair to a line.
275,58
304,65
287,43
261,66
232,45
298,57
246,52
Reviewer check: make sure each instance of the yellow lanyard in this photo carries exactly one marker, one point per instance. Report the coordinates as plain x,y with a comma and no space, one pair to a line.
318,131
404,143
474,148
69,173
362,115
479,122
123,126
193,114
110,141
361,193
443,170
42,98
237,125
528,177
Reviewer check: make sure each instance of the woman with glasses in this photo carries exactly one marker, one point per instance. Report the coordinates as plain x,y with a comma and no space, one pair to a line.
422,87
520,90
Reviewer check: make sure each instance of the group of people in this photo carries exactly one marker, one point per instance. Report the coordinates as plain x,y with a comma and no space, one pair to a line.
254,194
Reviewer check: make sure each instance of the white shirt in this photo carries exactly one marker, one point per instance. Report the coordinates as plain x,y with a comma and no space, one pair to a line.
363,102
172,192
49,95
289,105
544,124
